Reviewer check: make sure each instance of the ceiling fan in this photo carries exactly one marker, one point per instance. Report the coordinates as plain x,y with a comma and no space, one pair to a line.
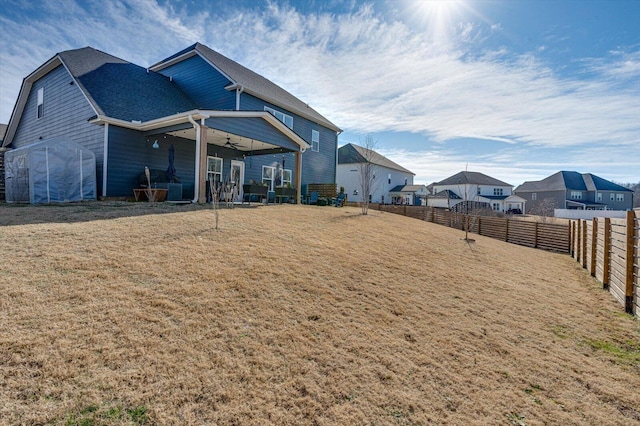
231,145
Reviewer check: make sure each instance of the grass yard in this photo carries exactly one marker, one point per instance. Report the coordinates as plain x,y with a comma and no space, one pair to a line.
135,313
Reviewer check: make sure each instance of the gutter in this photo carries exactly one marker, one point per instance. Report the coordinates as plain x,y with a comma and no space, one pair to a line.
196,185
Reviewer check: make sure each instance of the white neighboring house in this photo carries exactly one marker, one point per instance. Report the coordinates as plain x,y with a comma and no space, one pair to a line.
478,190
387,174
411,195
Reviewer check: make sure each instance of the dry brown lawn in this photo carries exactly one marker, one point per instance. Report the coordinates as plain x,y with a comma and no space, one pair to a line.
123,313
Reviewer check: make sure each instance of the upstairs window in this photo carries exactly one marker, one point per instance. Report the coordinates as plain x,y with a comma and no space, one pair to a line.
619,197
315,140
286,119
40,102
534,196
576,195
497,191
612,197
478,189
599,196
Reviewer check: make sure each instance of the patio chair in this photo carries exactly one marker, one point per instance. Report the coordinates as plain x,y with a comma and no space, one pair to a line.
313,198
340,200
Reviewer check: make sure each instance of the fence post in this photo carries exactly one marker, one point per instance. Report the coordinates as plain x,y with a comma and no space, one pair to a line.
594,245
606,268
584,244
479,222
535,234
578,240
628,306
506,230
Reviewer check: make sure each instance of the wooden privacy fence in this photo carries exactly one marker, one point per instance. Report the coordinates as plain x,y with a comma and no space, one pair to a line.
544,236
609,249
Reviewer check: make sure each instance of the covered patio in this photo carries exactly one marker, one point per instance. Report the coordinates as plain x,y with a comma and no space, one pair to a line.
220,144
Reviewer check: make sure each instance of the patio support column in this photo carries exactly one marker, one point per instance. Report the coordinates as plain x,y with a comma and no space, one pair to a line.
298,177
202,178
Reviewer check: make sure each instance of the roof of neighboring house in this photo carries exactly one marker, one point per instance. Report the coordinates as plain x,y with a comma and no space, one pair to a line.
569,180
474,178
253,83
406,188
353,154
448,194
122,90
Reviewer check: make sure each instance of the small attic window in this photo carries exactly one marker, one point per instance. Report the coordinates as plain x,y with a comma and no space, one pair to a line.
40,102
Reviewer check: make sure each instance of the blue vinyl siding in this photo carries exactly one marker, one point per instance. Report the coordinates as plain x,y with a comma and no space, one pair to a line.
130,152
254,128
66,113
202,83
317,167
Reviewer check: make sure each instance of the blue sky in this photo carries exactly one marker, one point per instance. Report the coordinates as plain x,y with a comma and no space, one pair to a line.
514,89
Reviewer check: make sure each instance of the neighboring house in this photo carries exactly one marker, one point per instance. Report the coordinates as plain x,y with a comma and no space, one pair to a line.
412,195
466,191
387,175
573,190
225,122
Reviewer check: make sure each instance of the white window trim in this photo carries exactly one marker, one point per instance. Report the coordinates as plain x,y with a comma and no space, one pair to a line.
40,103
315,141
269,181
285,118
209,172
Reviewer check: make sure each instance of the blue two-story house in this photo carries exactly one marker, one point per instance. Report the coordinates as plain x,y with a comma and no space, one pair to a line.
224,121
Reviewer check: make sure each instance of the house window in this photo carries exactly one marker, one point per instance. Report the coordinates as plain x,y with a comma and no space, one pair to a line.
534,196
389,178
40,102
496,206
497,191
315,140
478,189
286,178
214,169
576,195
599,196
619,197
267,176
612,197
286,119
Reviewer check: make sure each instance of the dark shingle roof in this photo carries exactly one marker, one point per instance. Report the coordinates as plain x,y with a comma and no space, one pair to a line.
255,84
406,188
3,131
122,90
447,194
350,154
474,178
569,180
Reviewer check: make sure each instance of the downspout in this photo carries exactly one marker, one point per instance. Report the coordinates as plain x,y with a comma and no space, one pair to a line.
239,91
197,175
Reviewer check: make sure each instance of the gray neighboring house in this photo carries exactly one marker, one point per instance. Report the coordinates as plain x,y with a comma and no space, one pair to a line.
387,174
573,190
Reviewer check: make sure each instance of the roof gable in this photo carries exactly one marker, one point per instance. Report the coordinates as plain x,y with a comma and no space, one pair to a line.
250,82
351,153
123,90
